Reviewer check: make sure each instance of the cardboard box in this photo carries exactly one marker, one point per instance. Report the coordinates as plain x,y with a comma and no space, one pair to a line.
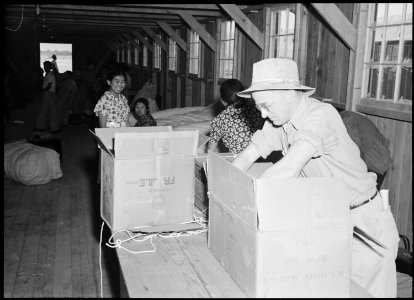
200,187
279,237
148,180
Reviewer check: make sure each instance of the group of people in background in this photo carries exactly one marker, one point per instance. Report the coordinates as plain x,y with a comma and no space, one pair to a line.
113,109
78,95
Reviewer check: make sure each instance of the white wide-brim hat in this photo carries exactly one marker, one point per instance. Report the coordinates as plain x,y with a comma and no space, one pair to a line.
275,74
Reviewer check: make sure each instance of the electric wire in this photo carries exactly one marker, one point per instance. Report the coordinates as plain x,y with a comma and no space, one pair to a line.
142,237
21,21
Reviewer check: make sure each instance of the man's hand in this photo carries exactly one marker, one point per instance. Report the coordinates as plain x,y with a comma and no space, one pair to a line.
246,158
299,153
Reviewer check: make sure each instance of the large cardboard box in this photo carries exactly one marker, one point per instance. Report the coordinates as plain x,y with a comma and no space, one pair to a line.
279,237
201,187
148,180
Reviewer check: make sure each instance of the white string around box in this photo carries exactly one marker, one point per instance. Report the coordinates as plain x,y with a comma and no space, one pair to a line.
140,237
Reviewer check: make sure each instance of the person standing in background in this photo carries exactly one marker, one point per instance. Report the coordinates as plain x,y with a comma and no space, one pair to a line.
64,97
47,118
112,109
55,67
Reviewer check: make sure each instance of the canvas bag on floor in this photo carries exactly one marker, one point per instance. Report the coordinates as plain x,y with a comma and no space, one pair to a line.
31,164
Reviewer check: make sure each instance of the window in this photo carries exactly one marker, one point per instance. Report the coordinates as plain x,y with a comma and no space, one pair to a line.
118,55
136,53
172,55
129,56
282,32
122,53
226,49
194,52
157,55
145,55
63,54
387,73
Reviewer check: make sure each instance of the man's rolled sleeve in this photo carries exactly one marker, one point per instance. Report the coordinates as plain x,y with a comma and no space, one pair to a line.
267,139
318,133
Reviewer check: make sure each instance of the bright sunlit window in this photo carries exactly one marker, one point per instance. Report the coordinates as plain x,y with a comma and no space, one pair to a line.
136,53
388,59
194,52
226,49
282,32
145,55
157,54
172,55
63,54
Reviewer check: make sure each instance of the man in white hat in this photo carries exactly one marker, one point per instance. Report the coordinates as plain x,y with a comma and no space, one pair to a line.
315,143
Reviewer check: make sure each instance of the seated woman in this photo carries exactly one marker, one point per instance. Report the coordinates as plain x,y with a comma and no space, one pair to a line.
142,114
236,124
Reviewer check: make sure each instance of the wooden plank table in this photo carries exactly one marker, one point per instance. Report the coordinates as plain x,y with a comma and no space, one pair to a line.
181,267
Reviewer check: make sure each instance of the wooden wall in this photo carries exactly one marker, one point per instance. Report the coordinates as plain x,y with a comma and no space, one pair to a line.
327,58
199,89
399,178
249,53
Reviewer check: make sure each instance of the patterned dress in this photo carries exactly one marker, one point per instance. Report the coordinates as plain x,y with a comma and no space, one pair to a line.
235,126
145,121
114,110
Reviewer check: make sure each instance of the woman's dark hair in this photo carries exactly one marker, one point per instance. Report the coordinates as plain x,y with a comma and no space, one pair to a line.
114,73
228,91
143,101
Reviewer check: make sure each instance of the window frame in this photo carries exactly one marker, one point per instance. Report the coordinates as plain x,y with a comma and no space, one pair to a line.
145,55
157,54
364,104
172,57
226,41
283,7
128,58
194,35
136,54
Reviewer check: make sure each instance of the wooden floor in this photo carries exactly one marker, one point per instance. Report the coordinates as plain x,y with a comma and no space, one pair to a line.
52,231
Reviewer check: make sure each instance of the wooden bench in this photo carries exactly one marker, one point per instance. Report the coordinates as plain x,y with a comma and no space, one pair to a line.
181,267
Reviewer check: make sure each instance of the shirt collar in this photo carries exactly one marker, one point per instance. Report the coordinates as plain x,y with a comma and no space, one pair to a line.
301,112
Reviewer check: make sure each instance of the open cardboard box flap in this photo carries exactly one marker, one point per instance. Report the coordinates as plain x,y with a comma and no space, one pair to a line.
266,204
107,135
146,142
155,144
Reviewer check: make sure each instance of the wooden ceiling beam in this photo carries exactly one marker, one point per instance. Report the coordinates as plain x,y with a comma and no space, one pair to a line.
254,33
125,42
131,39
120,9
174,35
176,6
111,45
75,22
338,22
156,39
62,13
141,38
197,27
119,41
115,42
